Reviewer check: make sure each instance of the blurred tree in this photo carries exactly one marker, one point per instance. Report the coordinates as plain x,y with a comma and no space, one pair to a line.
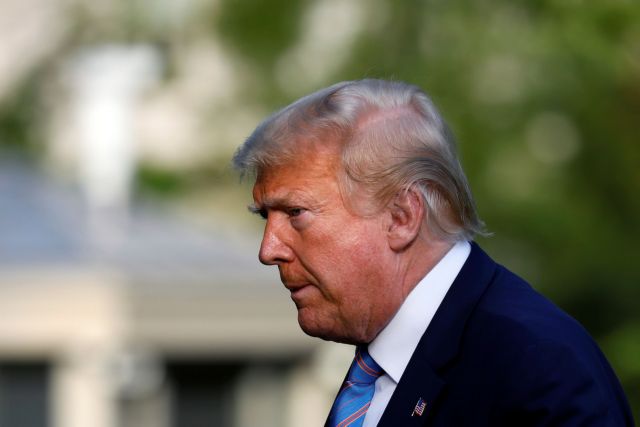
19,125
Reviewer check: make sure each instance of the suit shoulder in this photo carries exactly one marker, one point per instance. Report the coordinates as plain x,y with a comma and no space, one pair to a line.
516,325
524,316
544,359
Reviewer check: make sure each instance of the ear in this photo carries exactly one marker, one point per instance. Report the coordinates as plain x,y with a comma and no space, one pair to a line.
407,216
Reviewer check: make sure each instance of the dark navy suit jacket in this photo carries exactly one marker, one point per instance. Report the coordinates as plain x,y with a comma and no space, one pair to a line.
497,353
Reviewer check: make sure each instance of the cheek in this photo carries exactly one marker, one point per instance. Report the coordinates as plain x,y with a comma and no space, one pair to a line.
361,235
345,257
349,255
358,269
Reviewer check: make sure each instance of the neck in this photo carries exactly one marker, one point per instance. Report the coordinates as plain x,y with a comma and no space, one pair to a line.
411,266
420,259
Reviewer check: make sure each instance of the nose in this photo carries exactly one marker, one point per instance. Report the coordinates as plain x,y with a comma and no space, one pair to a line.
273,249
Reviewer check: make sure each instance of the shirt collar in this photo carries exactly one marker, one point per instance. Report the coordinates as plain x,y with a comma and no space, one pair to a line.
393,347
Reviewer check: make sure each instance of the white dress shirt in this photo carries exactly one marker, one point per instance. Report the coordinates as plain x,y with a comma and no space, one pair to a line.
395,344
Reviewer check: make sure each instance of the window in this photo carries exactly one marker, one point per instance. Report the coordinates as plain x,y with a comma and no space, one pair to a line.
24,389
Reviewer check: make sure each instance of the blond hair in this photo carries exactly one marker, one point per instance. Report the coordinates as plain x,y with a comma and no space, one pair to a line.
391,138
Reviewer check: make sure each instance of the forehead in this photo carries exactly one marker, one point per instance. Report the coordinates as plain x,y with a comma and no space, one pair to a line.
311,173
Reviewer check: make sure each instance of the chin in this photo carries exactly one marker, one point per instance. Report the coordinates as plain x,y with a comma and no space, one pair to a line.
314,327
329,330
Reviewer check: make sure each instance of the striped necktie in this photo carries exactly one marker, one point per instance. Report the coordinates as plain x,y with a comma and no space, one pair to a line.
356,393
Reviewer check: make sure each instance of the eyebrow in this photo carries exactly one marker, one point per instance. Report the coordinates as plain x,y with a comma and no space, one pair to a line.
260,209
290,199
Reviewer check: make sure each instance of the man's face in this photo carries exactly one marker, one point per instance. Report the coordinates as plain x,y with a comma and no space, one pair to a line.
335,263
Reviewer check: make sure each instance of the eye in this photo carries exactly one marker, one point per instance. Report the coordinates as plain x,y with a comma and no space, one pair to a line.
294,212
298,218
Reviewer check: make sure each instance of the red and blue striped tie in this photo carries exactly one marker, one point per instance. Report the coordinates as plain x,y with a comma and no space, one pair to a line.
356,393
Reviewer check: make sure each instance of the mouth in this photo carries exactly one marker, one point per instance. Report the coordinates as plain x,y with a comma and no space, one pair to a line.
298,291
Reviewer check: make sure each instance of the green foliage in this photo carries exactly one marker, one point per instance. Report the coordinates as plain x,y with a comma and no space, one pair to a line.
260,29
19,125
158,181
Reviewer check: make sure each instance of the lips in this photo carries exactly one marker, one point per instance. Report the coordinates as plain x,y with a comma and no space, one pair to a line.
293,282
299,291
295,286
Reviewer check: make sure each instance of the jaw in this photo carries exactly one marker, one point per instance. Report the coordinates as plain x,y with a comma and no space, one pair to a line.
334,327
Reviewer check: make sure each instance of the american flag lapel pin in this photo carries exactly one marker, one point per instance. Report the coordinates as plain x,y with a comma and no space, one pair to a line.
420,407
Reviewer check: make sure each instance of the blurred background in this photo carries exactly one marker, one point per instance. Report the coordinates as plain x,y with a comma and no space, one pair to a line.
130,292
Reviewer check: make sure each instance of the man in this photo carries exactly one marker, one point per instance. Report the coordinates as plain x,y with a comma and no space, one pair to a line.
369,218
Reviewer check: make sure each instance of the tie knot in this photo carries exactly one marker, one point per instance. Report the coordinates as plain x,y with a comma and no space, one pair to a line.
364,369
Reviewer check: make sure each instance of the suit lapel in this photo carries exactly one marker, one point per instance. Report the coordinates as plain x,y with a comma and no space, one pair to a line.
439,344
423,384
